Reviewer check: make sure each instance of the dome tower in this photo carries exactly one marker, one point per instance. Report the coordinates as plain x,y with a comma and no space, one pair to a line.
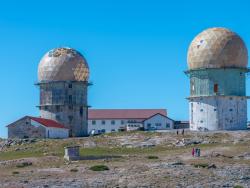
217,66
63,81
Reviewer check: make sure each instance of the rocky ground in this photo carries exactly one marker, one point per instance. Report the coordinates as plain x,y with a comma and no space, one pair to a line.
136,159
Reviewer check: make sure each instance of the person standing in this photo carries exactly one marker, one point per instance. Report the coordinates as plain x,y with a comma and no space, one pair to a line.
182,132
199,152
196,152
193,152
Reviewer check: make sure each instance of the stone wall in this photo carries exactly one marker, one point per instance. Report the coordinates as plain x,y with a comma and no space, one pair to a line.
23,129
72,153
65,102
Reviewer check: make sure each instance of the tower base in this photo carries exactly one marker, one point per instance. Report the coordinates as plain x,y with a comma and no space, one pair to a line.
218,113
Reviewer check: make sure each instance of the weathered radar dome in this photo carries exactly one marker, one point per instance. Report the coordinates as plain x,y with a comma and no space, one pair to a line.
63,64
217,48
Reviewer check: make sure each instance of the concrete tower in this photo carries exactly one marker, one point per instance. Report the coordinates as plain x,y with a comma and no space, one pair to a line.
217,67
63,80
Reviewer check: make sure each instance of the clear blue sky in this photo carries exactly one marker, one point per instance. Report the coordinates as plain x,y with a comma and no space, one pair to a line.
136,49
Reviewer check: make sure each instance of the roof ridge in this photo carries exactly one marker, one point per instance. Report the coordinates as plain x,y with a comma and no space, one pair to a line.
124,113
128,109
48,122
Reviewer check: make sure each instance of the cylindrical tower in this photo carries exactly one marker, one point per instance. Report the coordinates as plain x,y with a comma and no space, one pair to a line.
63,80
217,67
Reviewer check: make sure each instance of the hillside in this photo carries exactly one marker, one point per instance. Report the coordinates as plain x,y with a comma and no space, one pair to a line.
136,159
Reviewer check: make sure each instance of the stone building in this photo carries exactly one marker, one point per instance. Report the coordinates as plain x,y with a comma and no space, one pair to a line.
217,67
33,127
63,82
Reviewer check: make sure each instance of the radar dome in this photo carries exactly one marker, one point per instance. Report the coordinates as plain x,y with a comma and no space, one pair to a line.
63,64
217,48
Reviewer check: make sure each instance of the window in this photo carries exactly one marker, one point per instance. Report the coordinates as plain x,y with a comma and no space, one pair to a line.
70,85
45,107
230,109
70,133
70,118
201,110
167,125
122,122
158,124
70,99
81,111
58,117
201,121
103,122
93,122
58,108
149,125
70,107
215,88
131,121
112,122
215,109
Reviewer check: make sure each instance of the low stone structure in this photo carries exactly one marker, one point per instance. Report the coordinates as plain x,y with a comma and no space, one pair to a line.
36,127
72,153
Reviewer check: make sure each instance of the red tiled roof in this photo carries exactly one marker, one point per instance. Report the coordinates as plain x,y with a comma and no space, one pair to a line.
124,113
47,122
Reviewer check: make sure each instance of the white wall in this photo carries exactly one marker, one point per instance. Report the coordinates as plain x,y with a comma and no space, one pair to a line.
133,126
218,113
56,132
53,132
159,122
108,126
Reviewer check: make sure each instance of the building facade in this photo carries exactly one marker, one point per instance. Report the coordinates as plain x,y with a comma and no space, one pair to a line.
63,82
33,127
158,122
217,61
112,120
